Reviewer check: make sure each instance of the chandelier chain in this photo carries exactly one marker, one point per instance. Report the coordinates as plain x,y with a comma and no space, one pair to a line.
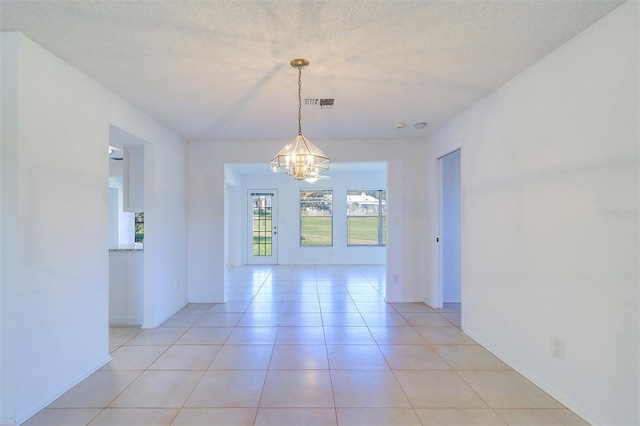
300,100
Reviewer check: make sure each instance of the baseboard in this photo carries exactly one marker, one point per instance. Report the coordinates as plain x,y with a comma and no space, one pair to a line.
21,418
7,421
159,323
125,321
559,396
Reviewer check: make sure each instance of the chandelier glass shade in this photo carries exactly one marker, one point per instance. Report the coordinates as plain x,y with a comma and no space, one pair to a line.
300,158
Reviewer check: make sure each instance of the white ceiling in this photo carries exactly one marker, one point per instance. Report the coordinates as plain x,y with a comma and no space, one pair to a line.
220,69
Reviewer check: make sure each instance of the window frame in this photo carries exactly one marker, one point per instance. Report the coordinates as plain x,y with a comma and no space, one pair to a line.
301,216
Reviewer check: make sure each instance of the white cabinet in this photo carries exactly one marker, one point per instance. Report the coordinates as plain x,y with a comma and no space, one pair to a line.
133,176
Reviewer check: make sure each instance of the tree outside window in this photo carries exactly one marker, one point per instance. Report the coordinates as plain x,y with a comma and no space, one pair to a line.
139,222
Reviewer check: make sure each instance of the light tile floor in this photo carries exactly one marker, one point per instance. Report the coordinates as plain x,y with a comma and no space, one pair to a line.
304,345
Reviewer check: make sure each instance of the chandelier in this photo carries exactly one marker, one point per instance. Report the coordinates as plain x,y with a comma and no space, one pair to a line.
300,158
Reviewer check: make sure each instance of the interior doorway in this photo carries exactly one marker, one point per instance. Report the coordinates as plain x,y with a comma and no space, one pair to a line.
126,229
262,227
450,229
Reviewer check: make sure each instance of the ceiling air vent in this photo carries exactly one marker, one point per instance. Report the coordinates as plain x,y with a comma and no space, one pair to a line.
323,103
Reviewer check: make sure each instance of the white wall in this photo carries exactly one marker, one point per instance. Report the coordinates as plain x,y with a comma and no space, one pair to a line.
406,177
55,133
126,220
233,218
8,228
550,207
451,227
113,217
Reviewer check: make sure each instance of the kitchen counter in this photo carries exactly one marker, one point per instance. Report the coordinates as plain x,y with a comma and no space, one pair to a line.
129,247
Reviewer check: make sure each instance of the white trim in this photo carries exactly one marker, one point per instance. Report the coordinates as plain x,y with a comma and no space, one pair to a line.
433,293
130,320
262,260
44,403
449,150
436,291
157,324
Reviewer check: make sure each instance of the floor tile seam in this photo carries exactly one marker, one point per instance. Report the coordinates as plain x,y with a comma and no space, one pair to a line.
148,407
126,341
433,349
333,393
288,407
175,341
385,407
455,326
96,416
262,390
404,392
273,349
191,392
472,369
176,415
216,355
123,390
448,320
473,389
500,417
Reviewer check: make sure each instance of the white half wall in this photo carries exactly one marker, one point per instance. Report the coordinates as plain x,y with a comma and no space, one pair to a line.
56,124
406,177
550,205
126,277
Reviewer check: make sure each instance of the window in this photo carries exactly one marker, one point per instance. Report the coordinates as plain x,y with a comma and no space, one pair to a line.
316,218
367,218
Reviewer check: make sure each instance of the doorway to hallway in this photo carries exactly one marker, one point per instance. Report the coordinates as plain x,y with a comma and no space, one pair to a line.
450,231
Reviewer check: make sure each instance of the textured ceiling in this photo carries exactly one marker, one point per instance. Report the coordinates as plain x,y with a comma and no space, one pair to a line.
220,69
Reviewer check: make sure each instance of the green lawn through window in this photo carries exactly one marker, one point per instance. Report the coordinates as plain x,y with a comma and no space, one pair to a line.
363,230
316,231
262,225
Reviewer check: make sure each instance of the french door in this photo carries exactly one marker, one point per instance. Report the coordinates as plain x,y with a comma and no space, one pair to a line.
262,227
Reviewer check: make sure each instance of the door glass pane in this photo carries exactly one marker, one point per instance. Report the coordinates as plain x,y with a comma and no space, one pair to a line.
262,225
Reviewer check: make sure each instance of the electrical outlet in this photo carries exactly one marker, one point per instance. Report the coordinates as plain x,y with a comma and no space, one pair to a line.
395,279
557,347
